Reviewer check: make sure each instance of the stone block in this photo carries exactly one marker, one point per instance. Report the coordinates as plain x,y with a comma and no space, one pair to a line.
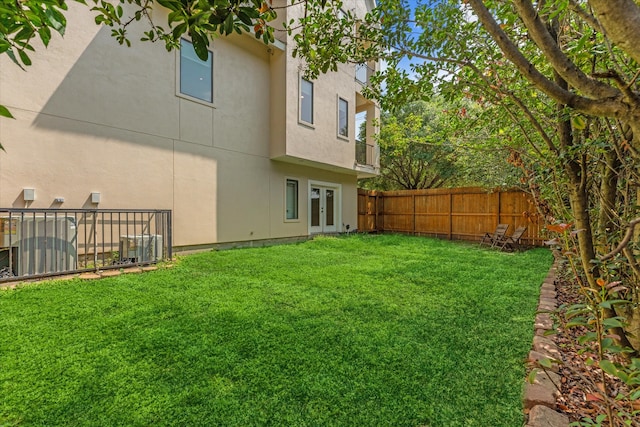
541,332
548,294
536,395
535,356
543,321
542,416
542,344
111,273
546,307
549,301
548,287
547,379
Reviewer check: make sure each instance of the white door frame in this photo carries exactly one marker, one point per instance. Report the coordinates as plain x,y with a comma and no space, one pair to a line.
337,206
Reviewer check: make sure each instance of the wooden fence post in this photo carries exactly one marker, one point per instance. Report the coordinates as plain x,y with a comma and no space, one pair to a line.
375,225
413,199
499,201
450,215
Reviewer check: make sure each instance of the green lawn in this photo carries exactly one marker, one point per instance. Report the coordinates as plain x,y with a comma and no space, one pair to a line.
354,331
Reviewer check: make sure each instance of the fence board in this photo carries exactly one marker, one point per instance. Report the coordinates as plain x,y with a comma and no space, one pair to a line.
452,213
368,210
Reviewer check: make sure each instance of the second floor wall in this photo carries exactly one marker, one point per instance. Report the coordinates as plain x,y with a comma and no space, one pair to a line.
254,104
316,120
88,77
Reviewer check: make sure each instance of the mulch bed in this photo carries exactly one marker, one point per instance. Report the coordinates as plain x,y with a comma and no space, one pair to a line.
582,386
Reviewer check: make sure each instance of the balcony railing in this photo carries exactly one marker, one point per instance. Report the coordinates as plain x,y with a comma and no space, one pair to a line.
364,73
48,242
366,154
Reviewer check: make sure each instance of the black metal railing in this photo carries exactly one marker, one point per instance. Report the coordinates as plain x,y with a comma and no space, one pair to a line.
48,242
365,154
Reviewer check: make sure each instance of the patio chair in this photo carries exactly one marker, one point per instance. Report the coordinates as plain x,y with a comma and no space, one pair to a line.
512,243
492,238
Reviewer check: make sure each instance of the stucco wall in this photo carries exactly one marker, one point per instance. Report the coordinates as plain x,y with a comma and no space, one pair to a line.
95,116
319,142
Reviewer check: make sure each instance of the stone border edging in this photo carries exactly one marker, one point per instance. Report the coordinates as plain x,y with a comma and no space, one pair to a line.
539,399
91,275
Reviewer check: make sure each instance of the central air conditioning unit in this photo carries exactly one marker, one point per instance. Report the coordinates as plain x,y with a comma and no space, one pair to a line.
40,244
141,248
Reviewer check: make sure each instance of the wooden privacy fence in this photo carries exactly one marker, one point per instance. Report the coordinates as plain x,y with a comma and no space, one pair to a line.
451,213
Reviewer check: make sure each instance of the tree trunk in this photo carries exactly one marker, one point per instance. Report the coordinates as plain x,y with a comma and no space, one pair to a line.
621,20
608,196
632,316
579,200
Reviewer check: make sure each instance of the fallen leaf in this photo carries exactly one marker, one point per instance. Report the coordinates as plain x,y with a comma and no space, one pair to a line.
593,397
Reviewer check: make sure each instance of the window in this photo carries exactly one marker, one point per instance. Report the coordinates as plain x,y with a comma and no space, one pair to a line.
343,118
306,101
291,199
196,75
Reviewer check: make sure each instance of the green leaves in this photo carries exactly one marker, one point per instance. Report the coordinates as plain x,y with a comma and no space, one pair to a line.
4,112
610,303
56,20
200,45
415,151
326,36
608,367
204,20
24,57
21,22
546,363
173,5
613,322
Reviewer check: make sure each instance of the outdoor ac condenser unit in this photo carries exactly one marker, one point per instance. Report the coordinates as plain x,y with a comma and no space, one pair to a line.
44,244
141,248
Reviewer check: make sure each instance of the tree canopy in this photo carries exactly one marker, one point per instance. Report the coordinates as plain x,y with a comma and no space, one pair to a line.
413,152
425,144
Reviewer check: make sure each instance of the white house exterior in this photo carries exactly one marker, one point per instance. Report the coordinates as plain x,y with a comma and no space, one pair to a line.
256,153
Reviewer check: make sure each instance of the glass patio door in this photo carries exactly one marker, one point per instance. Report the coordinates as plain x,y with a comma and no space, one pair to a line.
323,204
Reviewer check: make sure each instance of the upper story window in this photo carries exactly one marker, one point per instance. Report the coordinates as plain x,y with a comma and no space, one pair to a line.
343,118
306,101
196,75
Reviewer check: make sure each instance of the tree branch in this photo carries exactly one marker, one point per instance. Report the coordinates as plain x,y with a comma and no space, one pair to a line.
605,107
584,15
624,242
620,19
547,44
